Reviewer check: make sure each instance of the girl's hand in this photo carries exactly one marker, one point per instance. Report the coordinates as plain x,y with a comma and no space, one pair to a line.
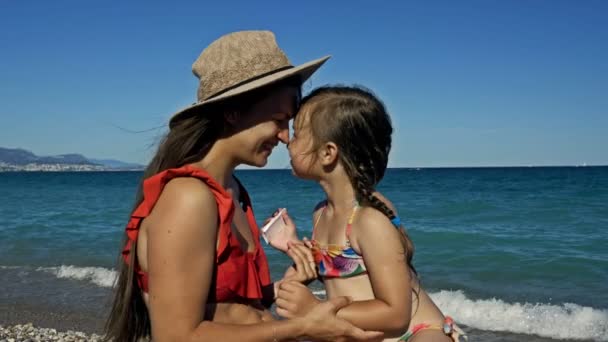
304,269
295,300
287,233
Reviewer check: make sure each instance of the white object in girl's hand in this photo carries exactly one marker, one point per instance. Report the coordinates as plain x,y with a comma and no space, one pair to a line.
273,227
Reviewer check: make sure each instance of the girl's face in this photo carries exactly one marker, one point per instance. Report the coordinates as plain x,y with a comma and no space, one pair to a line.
301,146
265,125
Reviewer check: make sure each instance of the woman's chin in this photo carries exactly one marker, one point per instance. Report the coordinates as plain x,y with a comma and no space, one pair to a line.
258,161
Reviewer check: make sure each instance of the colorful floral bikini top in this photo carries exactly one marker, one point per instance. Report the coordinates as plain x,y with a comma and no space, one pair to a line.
338,261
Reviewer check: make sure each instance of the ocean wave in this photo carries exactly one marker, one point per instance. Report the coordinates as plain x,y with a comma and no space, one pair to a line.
562,321
565,321
97,275
321,293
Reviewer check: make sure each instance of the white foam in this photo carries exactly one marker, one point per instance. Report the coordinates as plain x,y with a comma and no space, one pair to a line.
9,267
97,275
566,321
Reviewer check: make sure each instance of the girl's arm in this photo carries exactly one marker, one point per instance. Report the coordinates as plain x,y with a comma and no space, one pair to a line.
182,233
380,245
289,233
281,239
286,240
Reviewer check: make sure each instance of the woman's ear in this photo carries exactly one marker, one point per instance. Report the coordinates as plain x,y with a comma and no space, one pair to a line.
328,154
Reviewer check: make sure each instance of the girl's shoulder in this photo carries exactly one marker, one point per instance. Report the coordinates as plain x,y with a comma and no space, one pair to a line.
369,222
370,218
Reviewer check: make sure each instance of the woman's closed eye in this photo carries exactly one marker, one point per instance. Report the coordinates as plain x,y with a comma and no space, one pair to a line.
281,120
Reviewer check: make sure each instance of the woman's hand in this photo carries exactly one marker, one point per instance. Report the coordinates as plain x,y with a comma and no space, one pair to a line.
280,238
322,324
295,300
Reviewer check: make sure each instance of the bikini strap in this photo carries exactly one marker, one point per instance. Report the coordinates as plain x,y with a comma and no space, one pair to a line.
314,227
396,221
349,225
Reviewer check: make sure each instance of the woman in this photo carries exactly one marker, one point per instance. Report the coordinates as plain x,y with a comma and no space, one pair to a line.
193,266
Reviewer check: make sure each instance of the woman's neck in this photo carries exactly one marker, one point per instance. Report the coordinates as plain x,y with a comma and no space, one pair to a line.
218,165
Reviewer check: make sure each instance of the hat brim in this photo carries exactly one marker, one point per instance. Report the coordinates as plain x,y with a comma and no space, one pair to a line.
304,71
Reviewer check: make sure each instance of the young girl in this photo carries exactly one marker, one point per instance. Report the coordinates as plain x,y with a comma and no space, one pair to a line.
342,139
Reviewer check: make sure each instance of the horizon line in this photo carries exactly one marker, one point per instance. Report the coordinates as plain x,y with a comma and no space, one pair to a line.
250,168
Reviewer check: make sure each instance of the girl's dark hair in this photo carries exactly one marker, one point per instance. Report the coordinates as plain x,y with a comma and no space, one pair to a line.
188,141
357,122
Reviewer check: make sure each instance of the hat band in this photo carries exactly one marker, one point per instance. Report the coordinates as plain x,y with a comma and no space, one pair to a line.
234,86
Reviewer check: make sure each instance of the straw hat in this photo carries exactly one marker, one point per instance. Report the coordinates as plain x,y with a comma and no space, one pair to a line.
240,62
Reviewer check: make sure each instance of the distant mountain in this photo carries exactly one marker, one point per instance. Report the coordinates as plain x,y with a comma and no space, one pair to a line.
19,157
71,158
116,164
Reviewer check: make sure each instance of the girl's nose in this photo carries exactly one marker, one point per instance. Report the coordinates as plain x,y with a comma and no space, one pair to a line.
283,134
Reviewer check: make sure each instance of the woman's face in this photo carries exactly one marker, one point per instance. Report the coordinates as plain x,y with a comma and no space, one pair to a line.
265,125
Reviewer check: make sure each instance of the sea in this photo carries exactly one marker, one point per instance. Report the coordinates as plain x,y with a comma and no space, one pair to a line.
513,254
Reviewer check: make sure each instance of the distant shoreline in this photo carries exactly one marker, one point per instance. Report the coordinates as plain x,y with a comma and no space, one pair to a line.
455,167
34,167
98,168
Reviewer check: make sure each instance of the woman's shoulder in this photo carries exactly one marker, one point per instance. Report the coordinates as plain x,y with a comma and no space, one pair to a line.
188,187
187,194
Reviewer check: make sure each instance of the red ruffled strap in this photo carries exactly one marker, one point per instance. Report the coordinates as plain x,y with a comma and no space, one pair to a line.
260,259
244,274
153,187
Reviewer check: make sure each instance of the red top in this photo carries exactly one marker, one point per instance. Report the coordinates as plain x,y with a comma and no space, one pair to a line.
237,274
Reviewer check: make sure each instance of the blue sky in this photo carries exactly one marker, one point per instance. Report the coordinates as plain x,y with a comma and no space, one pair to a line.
476,83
